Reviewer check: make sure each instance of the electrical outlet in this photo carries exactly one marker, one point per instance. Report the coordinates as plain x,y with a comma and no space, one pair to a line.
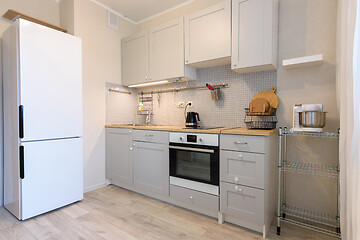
181,104
191,104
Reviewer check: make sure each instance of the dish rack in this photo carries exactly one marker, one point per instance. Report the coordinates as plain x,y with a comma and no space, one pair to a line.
260,121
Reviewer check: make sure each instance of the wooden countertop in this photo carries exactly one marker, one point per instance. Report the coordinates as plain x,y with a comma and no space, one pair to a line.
223,130
246,131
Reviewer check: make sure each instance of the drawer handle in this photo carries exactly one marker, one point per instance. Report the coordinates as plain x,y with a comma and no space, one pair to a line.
149,135
237,189
190,197
240,156
241,143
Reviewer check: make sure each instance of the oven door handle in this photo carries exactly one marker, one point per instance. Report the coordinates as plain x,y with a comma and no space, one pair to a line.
192,149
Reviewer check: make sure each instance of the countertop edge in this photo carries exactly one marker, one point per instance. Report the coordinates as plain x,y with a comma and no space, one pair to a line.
224,130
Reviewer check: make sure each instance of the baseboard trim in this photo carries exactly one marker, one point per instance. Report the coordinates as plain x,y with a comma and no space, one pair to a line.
94,187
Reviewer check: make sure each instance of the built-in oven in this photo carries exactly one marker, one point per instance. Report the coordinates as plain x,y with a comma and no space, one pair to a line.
194,161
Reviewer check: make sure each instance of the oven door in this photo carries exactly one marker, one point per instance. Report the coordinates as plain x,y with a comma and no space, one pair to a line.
195,162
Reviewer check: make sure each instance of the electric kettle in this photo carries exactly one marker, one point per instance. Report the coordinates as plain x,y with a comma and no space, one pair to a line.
192,120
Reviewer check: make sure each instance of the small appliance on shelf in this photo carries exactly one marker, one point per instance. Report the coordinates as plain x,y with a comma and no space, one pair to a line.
308,118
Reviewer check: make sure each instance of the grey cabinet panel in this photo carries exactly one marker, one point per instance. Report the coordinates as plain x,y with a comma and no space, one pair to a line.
118,154
151,136
151,167
243,143
242,202
242,168
192,197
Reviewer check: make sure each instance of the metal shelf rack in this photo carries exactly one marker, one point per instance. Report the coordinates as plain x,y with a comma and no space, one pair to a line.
319,222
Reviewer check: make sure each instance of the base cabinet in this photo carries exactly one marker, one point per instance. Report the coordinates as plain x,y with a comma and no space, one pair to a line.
242,202
248,180
194,198
118,155
151,167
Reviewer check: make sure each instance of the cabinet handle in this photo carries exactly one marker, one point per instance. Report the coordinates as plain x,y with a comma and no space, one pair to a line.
190,197
234,65
133,144
149,135
146,78
131,149
236,180
237,189
187,60
240,156
150,78
241,143
130,131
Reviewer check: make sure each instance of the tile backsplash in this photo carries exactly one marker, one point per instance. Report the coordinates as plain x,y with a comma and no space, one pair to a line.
229,111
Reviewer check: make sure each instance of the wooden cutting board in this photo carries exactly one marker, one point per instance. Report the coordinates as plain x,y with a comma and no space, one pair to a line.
270,96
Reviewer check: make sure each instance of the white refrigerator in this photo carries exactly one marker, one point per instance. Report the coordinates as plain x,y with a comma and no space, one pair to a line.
42,94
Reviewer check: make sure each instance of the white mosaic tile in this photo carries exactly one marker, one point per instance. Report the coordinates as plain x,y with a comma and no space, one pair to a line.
229,111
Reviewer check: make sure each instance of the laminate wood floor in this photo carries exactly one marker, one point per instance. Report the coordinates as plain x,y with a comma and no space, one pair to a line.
115,213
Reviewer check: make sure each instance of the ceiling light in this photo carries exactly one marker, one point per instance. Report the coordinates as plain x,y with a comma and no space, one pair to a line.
148,84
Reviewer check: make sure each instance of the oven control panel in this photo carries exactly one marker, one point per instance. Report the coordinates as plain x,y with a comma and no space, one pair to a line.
195,138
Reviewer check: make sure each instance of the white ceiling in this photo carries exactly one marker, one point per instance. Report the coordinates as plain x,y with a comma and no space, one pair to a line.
140,10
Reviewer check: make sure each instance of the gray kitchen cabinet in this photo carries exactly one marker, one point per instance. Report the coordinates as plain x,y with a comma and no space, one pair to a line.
248,180
208,36
135,59
254,35
151,164
119,155
196,198
242,168
243,202
155,54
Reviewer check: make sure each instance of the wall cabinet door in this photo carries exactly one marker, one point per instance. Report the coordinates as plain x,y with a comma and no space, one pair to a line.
254,35
119,155
151,167
135,59
208,36
167,50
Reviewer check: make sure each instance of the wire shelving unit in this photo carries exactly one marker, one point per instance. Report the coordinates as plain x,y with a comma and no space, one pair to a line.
320,222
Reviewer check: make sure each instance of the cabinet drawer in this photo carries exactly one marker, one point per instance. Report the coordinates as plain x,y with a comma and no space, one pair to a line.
192,197
242,168
151,136
242,202
243,143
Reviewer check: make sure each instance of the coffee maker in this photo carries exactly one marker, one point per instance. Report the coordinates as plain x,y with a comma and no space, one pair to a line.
308,118
192,120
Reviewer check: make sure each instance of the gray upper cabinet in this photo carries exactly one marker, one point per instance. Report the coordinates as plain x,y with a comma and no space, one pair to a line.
208,36
156,54
118,155
135,59
167,52
254,35
151,167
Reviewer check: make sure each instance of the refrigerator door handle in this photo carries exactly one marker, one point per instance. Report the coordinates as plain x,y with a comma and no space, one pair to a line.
21,121
22,170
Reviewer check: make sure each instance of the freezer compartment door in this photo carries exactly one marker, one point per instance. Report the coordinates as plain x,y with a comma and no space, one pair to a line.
50,82
52,177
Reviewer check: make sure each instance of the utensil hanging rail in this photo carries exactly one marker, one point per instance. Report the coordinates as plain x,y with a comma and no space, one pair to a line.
184,89
119,91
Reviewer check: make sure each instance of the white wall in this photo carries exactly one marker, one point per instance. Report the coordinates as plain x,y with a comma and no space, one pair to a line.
101,64
45,10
